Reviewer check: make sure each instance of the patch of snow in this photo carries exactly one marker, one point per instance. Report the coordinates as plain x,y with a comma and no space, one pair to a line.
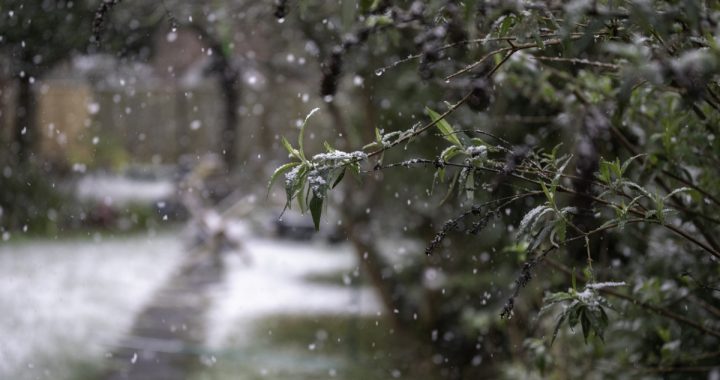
339,155
123,190
608,284
477,150
292,174
64,302
274,283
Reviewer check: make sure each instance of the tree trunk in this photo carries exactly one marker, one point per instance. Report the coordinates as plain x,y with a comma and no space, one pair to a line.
4,139
229,78
25,119
357,227
231,94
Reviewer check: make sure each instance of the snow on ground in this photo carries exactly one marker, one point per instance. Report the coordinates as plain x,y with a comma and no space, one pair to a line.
63,302
274,283
122,190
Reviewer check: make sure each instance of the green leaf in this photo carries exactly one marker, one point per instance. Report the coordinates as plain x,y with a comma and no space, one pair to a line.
616,168
470,185
447,131
328,147
303,197
531,218
279,171
607,168
339,178
302,132
451,188
294,186
595,321
676,191
292,151
604,174
505,25
539,237
553,153
637,187
627,162
659,208
603,317
558,175
316,210
550,196
557,297
664,334
450,152
378,20
439,176
585,323
365,5
560,229
574,316
356,168
479,141
557,327
373,144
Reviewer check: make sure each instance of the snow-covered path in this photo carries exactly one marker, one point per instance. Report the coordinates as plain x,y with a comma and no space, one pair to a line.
62,302
66,304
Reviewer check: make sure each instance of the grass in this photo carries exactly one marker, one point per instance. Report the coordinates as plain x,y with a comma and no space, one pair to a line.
321,347
337,278
91,232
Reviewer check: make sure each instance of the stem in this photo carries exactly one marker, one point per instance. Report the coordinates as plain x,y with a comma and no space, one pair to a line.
483,40
577,61
424,127
512,49
697,242
678,369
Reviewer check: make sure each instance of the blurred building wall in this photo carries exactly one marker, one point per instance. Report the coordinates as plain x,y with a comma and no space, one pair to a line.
111,127
62,122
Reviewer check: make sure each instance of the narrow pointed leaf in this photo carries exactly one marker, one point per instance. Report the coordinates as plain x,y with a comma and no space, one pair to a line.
292,151
556,330
447,131
302,132
316,210
339,178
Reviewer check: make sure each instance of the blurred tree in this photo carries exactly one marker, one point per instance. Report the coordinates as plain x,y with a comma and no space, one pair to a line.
35,36
126,27
38,35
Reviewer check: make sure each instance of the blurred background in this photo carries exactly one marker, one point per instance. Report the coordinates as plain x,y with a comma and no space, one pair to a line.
139,238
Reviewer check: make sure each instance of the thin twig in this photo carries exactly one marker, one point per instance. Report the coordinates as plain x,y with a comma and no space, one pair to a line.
423,128
513,48
482,40
577,61
678,369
